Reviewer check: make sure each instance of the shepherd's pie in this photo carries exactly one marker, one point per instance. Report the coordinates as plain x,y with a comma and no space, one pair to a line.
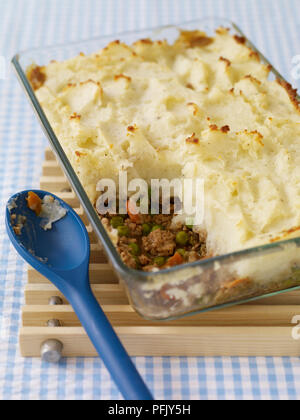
202,107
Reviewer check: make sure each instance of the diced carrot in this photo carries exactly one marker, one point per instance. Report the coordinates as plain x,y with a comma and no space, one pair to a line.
34,202
131,210
175,260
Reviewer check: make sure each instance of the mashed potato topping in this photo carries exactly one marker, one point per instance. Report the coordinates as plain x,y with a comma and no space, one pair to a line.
203,107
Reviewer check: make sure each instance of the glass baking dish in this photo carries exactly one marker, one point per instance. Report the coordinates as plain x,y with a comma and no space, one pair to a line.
206,284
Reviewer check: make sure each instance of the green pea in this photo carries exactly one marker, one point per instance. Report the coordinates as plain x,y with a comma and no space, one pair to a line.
123,230
146,229
181,252
135,249
156,227
182,238
116,221
159,261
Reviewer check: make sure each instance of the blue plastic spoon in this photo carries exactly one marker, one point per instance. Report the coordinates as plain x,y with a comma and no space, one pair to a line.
62,255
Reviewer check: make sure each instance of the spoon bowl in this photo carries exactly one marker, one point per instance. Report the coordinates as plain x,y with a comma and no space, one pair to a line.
62,255
63,247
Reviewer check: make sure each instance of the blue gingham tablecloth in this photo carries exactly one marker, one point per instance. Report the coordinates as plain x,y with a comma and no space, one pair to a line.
274,26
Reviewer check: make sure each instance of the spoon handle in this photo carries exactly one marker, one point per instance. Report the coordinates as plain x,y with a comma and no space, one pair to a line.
107,344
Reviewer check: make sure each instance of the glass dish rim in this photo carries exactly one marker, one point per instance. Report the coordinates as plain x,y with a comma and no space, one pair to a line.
79,190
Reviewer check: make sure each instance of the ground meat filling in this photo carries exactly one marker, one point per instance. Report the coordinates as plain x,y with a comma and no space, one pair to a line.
160,243
151,242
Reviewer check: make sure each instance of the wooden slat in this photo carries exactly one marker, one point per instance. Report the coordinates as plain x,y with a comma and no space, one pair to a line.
50,168
39,293
54,184
285,298
49,155
97,254
120,315
170,341
99,274
106,294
